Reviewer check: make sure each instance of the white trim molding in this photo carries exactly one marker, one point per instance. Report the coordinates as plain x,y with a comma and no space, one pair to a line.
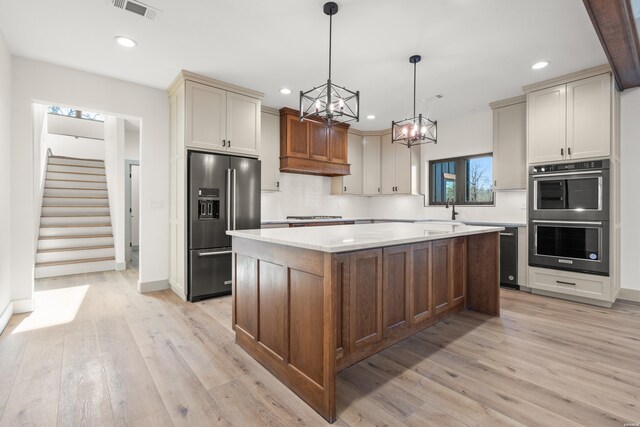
632,295
153,286
121,266
178,290
23,306
6,316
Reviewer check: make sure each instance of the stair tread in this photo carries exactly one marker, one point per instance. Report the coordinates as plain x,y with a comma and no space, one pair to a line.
72,180
75,206
75,197
76,188
76,158
80,236
75,166
74,261
75,248
77,173
76,225
76,216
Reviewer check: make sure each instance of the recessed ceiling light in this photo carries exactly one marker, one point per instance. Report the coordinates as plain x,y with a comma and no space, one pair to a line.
285,91
126,41
539,65
371,116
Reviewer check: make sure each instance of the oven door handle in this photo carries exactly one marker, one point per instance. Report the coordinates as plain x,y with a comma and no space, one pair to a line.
540,221
543,175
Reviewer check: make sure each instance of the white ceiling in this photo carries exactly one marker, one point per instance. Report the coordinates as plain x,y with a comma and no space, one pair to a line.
474,51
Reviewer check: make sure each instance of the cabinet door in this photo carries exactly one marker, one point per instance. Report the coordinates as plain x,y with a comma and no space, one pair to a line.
338,144
509,147
441,274
421,289
318,141
371,165
589,117
546,115
365,299
395,289
270,151
243,124
458,271
294,136
352,184
206,117
388,165
403,169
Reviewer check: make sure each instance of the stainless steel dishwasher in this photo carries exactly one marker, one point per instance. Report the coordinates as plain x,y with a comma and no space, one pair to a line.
509,257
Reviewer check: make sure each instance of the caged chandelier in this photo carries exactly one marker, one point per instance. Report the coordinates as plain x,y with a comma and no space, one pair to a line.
329,101
418,129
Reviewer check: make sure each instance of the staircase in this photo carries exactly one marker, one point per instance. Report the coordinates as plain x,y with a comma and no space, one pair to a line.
75,223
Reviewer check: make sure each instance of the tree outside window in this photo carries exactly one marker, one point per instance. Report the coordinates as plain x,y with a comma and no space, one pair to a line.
466,180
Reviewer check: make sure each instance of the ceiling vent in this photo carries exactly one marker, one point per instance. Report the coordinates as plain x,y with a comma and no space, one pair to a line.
138,8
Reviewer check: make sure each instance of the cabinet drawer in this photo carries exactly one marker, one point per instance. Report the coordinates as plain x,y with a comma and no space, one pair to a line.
583,285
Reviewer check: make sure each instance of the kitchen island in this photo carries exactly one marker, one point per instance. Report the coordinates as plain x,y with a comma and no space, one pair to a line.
309,302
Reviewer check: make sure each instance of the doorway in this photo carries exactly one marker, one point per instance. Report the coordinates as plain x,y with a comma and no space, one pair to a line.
132,212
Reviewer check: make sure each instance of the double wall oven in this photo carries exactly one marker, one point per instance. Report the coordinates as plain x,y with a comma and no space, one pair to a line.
569,216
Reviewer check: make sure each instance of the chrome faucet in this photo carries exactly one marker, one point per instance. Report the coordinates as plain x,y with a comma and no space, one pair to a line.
453,208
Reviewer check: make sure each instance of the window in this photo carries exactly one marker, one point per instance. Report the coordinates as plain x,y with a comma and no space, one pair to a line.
465,180
70,112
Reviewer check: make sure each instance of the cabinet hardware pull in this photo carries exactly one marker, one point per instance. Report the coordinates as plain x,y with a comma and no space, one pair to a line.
224,142
277,184
229,143
562,151
345,188
560,282
378,189
569,150
201,254
507,234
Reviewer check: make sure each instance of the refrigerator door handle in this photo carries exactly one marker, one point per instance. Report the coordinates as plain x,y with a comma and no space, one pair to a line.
235,201
201,254
228,201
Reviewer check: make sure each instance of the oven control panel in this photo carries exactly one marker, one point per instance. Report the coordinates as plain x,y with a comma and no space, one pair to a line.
569,167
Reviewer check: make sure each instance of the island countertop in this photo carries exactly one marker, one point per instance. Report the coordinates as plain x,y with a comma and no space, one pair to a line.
345,238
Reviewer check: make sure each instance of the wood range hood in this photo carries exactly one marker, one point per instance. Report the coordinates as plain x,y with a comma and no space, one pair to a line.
310,147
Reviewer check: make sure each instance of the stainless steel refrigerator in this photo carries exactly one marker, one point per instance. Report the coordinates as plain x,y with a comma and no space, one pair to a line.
224,194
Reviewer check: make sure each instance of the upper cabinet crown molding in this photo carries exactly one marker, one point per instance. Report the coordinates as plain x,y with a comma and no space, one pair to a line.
185,75
567,78
509,101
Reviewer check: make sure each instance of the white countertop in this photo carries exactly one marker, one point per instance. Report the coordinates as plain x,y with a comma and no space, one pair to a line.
330,220
346,238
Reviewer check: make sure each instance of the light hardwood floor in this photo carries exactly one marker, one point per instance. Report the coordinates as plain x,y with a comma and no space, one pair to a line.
96,352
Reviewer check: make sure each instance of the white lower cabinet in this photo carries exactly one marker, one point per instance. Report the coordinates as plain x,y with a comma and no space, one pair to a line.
572,284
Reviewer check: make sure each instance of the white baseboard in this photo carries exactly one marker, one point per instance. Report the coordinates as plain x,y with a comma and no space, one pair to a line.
629,295
178,290
153,286
121,266
5,316
23,306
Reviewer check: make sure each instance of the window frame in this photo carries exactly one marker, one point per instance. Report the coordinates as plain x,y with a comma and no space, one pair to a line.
460,182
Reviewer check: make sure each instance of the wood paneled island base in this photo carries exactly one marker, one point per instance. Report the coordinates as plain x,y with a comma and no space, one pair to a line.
307,314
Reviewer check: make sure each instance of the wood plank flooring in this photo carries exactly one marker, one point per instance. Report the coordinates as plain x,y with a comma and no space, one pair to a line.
96,352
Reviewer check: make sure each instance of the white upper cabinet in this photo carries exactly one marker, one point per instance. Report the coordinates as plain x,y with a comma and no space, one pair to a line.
371,165
221,120
570,121
589,117
547,124
243,124
351,184
396,167
206,116
270,151
403,169
509,146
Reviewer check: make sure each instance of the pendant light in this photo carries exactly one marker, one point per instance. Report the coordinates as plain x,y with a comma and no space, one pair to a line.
417,130
330,102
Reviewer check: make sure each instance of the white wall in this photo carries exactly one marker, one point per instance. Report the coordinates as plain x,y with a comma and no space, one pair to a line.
630,191
65,125
5,182
309,195
114,168
131,145
40,161
63,145
35,81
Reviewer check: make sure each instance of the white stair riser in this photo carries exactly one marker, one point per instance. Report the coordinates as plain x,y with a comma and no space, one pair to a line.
74,243
75,220
73,255
73,176
75,193
76,162
48,210
64,270
74,184
75,169
72,201
73,231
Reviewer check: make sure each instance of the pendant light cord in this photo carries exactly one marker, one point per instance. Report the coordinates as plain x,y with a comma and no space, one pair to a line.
414,89
330,31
